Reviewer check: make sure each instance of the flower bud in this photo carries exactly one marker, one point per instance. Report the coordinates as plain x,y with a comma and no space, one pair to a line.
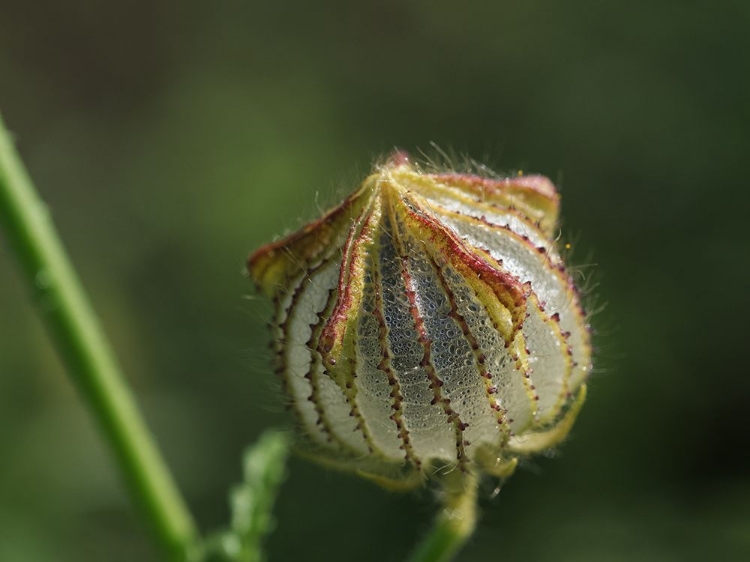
428,322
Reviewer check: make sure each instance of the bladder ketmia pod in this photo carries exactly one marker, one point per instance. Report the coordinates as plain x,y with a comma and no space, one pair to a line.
428,323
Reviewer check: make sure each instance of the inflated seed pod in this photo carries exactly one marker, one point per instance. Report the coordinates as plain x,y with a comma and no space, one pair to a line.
426,322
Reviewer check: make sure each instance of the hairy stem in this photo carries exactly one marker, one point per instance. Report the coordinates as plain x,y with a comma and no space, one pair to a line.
454,524
75,331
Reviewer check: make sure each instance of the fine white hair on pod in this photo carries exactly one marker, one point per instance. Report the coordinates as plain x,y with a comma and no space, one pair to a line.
428,323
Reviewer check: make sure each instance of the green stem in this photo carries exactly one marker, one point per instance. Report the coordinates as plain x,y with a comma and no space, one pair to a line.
86,352
454,524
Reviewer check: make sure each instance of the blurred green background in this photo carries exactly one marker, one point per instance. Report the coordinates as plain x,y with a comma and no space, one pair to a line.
170,139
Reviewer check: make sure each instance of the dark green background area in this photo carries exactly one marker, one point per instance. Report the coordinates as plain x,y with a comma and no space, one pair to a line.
170,139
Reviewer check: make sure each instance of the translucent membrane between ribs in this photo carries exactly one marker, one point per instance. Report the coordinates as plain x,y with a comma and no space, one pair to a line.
428,322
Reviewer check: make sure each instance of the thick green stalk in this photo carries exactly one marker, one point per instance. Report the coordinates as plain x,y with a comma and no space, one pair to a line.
454,524
75,330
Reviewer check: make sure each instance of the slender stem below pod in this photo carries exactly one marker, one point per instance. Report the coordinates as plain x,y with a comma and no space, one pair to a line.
456,521
74,329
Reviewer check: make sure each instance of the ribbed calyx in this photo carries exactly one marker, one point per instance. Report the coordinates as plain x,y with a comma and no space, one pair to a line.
428,322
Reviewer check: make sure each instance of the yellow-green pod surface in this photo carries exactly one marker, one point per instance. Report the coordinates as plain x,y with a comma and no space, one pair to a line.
426,322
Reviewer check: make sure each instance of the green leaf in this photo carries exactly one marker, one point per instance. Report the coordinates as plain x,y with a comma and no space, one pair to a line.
264,469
